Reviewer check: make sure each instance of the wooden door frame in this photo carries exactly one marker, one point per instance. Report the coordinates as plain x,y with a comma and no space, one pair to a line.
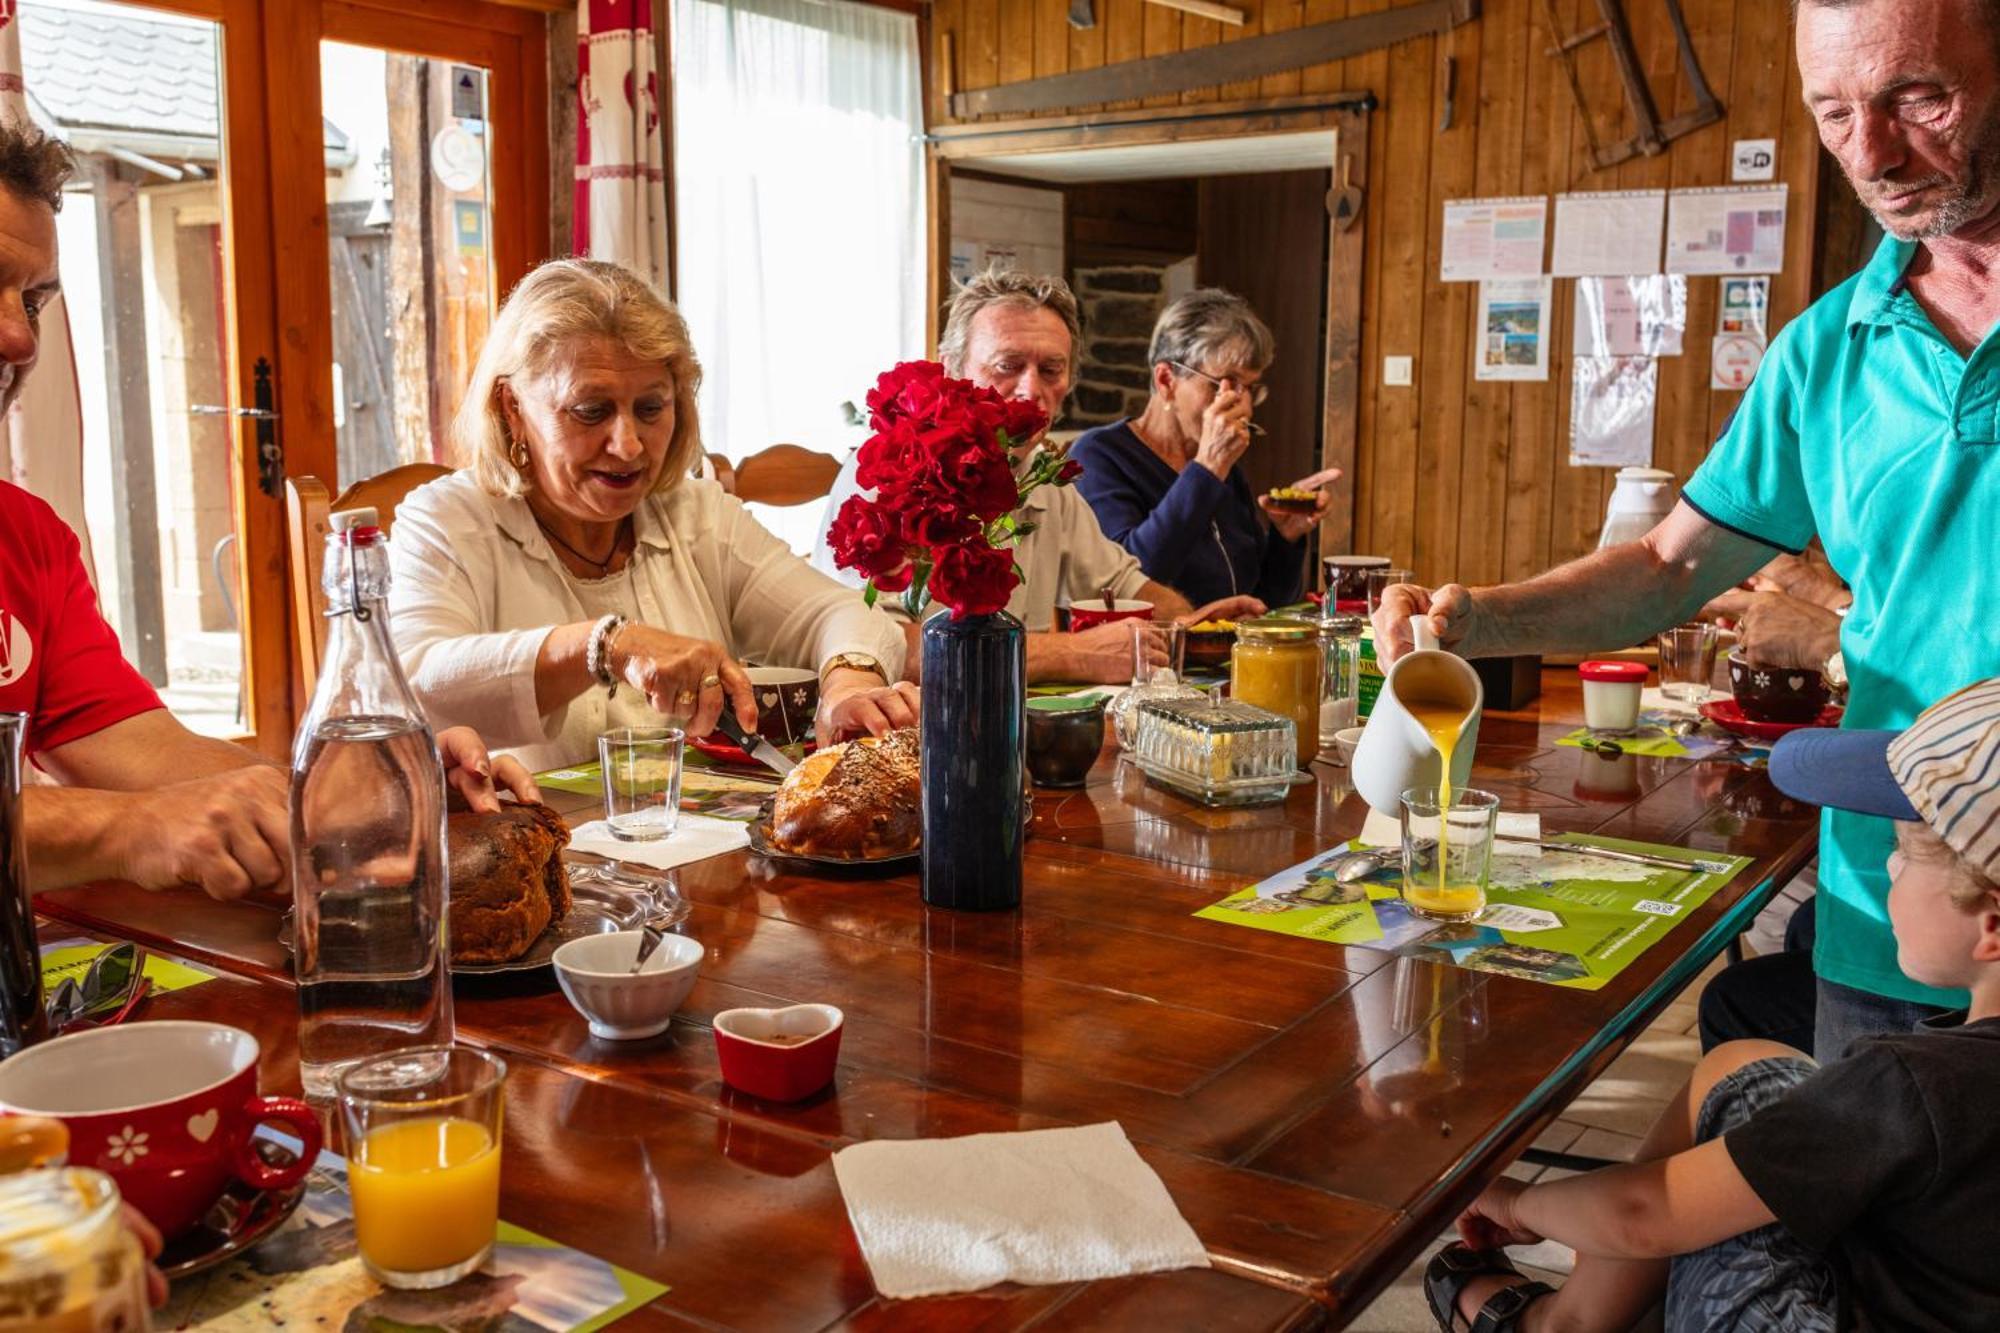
1347,114
279,305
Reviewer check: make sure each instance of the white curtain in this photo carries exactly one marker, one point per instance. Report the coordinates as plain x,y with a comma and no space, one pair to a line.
798,186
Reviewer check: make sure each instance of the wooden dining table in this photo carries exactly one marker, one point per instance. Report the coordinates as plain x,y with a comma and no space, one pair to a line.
1319,1112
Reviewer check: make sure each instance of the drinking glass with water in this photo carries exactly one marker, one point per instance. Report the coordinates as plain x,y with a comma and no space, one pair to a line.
642,781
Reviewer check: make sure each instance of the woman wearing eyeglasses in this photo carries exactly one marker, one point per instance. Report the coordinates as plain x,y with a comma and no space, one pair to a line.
1165,484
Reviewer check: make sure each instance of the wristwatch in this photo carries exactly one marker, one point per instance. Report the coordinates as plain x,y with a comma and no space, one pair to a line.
850,662
1835,672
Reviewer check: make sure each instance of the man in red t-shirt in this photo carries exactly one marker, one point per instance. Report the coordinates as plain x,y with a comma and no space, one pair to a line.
142,798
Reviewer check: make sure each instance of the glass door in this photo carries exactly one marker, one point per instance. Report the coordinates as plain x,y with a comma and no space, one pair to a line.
282,249
149,254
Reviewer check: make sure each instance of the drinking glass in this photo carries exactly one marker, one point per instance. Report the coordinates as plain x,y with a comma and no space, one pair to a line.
1447,852
423,1161
642,781
1170,635
1381,580
1687,661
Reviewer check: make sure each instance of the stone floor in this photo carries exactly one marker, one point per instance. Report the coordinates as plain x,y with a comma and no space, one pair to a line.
1608,1120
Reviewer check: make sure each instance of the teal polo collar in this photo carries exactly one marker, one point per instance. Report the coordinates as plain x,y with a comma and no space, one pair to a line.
1880,285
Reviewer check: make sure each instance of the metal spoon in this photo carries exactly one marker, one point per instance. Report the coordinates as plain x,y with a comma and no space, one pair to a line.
1360,865
650,936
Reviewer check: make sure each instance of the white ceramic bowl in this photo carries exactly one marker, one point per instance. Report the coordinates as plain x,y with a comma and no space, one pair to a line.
1344,742
596,974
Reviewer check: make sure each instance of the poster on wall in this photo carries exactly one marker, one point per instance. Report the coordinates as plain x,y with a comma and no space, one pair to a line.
1493,238
1611,411
1608,233
1742,307
1733,361
1726,230
1636,316
1513,329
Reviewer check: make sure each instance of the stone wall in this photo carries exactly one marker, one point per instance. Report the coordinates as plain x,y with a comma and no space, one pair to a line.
1120,304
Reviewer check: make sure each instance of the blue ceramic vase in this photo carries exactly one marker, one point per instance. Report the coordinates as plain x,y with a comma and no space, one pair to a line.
974,761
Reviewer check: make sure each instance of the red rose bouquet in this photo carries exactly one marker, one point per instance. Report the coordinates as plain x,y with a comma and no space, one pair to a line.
942,521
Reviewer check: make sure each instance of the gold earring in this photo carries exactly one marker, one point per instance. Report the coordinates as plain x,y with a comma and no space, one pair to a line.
517,454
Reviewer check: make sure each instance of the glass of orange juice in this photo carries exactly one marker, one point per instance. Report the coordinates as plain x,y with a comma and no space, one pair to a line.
1447,851
423,1161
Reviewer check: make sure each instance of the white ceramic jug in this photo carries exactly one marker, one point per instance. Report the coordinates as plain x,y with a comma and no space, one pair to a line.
1395,752
1640,499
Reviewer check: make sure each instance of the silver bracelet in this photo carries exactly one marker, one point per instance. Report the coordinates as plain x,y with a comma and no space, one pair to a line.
596,654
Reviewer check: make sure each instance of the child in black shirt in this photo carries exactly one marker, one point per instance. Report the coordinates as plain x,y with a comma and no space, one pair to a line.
1777,1195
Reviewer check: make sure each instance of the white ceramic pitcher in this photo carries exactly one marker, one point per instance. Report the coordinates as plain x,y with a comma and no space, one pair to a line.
1395,752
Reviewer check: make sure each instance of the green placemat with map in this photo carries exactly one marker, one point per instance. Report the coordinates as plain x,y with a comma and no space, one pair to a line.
1565,918
308,1275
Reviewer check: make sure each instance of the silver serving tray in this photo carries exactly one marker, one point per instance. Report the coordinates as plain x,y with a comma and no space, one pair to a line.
595,909
762,845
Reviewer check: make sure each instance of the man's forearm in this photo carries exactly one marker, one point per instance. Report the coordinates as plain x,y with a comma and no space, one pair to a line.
145,751
1167,604
73,835
1049,656
1612,598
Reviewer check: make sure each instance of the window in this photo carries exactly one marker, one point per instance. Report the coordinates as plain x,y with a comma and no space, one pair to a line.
798,190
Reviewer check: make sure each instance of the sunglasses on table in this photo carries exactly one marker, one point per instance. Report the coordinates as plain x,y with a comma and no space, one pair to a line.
111,987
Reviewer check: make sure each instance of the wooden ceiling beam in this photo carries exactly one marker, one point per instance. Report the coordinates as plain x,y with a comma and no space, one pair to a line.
1228,62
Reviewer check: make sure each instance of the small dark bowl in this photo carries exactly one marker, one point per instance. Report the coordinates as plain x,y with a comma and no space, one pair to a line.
1292,506
1777,694
1208,649
1065,737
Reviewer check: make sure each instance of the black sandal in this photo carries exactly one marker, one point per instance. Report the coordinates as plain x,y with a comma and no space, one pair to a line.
1457,1264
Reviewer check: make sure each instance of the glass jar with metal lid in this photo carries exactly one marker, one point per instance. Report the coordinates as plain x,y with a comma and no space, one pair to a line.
1276,665
67,1262
1340,681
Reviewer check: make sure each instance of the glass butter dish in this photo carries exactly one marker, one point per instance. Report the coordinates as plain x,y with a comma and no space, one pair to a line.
1220,752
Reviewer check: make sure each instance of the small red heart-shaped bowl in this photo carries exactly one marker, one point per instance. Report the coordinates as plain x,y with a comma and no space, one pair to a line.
781,1055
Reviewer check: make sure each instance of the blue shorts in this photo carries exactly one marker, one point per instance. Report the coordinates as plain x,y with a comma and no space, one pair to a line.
1763,1281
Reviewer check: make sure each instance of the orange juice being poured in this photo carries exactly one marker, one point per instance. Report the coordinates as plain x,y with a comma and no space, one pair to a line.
1450,898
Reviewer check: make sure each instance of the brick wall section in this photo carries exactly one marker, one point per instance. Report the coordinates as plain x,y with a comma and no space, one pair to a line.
1119,306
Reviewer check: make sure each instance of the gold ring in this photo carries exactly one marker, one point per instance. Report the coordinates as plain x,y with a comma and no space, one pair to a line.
711,682
685,698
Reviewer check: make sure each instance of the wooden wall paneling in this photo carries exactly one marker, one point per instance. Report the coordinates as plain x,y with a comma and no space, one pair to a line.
1052,32
562,132
1124,24
979,48
1448,320
942,68
1370,71
1701,159
1017,40
1086,45
1537,428
1576,509
1492,108
1280,16
1162,37
1341,388
1402,177
1197,31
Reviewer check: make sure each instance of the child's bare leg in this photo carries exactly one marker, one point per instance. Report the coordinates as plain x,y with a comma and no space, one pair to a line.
1617,1293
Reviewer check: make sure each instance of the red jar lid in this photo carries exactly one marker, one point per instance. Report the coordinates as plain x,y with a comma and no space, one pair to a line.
1613,671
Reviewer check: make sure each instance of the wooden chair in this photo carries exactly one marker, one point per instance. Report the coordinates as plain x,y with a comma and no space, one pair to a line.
784,474
308,518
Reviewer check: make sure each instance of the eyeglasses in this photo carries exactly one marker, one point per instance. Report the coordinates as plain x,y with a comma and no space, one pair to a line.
1258,392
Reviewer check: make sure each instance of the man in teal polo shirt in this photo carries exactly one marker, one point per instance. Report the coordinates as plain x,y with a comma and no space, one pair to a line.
1874,422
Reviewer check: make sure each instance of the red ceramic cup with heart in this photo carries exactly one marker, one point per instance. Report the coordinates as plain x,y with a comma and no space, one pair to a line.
1093,612
781,1055
166,1109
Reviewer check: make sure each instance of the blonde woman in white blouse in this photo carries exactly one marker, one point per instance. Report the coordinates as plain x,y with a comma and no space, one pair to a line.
574,577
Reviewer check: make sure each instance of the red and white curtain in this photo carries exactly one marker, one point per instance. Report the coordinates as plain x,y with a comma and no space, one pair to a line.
621,203
41,438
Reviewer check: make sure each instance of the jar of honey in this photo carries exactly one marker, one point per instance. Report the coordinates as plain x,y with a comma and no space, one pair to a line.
1276,665
67,1262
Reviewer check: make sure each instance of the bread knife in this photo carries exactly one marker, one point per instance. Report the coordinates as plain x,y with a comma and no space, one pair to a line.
765,753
